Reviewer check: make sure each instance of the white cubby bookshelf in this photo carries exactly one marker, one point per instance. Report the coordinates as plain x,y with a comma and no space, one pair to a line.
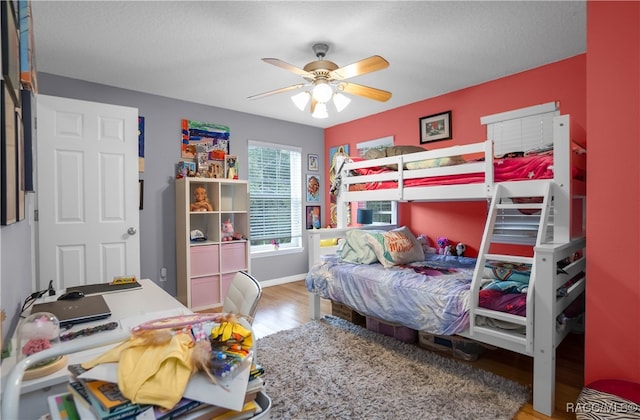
205,268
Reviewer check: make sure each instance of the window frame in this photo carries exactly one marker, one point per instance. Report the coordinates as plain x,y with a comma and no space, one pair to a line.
296,244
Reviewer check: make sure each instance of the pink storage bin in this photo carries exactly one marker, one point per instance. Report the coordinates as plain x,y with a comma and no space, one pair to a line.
205,291
204,260
404,334
234,257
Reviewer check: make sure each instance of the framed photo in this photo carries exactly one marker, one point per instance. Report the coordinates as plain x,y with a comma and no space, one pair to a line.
313,188
313,217
216,168
141,193
313,162
8,158
435,127
10,50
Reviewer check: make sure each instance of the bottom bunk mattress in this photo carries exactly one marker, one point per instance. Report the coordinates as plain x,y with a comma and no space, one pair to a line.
430,295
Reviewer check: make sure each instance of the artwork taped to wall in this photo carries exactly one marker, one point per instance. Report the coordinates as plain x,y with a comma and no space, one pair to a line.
381,143
208,135
28,72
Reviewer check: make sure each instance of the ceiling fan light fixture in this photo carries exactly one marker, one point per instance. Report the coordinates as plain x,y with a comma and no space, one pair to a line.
322,91
320,111
301,99
340,101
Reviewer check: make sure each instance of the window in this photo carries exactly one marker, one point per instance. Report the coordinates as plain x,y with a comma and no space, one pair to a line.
275,195
384,212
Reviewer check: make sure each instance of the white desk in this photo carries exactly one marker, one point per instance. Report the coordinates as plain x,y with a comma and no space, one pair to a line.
129,308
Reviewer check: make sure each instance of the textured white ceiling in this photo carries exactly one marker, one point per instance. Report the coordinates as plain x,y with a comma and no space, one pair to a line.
210,52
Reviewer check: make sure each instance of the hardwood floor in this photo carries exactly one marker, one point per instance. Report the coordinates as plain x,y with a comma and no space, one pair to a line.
287,306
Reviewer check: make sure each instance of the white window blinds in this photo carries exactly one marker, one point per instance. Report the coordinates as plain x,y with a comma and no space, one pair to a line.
521,130
275,192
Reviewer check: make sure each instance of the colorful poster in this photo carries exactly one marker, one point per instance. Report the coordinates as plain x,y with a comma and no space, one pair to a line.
334,180
207,135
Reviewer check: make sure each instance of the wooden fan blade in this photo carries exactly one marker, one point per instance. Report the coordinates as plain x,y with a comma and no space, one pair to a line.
273,92
313,105
364,91
368,65
289,67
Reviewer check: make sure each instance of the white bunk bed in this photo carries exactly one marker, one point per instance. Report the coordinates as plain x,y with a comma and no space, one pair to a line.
556,232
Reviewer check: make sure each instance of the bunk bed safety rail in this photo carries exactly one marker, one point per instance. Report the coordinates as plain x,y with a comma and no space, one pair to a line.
350,170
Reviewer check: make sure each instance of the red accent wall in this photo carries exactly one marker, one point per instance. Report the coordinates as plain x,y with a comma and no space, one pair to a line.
612,338
563,81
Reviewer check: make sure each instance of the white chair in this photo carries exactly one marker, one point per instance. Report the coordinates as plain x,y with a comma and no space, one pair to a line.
243,296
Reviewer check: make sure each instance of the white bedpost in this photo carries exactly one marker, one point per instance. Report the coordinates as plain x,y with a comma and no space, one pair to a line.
341,208
562,177
313,244
544,349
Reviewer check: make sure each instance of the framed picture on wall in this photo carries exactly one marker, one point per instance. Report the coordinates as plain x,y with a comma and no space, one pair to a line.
141,193
313,163
313,217
8,158
313,188
435,127
10,50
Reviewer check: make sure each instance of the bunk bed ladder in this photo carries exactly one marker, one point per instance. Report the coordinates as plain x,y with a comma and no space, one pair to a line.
501,201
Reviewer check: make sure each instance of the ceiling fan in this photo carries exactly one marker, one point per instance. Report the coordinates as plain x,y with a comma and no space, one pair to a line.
323,76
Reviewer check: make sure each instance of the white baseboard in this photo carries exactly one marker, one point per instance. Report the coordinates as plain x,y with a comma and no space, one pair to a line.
283,280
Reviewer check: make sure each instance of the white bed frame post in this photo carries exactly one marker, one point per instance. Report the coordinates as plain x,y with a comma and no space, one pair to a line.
313,244
562,178
544,349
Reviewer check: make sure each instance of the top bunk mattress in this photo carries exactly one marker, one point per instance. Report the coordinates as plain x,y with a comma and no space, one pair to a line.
504,169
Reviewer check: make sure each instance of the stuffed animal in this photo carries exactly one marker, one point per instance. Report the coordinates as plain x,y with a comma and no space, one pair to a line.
227,231
461,249
426,244
443,242
448,250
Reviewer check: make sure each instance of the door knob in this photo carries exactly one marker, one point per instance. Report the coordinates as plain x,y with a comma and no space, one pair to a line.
131,231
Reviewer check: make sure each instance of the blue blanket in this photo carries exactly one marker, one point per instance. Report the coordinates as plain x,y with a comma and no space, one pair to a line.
431,296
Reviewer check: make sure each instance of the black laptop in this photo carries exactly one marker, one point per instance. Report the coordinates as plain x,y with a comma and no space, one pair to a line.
70,312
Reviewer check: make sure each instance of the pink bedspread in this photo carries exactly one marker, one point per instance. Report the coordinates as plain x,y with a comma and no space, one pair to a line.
506,169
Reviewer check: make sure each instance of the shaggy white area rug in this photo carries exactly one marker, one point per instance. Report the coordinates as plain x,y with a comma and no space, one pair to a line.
334,369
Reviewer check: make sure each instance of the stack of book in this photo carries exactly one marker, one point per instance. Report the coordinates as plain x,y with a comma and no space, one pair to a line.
102,400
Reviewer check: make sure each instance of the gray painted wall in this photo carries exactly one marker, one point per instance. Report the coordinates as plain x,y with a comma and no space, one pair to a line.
162,152
16,279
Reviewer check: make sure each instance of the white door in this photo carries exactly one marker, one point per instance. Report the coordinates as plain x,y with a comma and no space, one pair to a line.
87,192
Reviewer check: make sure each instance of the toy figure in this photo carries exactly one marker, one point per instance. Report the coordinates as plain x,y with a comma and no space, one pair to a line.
443,242
426,244
201,202
460,249
227,231
448,250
